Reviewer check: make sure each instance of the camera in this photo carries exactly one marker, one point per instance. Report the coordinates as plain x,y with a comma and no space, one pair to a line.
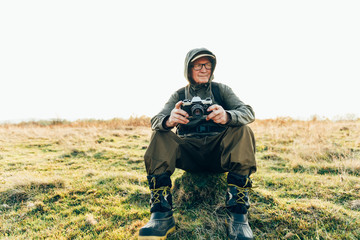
197,107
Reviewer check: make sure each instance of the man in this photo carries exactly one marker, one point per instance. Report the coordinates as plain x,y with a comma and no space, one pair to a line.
217,142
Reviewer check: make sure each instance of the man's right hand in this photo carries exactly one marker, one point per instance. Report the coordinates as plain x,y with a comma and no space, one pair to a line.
177,116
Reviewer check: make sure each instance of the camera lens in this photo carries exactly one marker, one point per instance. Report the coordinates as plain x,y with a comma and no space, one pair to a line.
197,111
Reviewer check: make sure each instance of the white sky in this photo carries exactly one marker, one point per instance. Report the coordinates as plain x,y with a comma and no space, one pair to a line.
106,59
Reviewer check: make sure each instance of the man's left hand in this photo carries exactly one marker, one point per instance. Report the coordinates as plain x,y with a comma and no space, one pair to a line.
218,115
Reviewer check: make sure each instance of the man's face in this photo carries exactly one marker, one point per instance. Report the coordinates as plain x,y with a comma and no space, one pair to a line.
202,75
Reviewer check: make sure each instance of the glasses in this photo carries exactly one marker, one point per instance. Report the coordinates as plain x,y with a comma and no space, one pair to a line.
199,66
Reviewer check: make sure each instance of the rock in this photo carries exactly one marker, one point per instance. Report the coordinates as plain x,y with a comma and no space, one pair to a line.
355,204
191,190
5,206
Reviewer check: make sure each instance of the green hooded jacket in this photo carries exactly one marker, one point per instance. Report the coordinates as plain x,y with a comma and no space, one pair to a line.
240,113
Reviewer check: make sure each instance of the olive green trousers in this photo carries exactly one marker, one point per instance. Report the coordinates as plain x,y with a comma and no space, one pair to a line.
233,150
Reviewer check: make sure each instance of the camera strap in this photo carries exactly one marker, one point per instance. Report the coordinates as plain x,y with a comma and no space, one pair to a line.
215,90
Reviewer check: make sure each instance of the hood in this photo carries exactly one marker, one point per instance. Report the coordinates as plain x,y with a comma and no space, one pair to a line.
193,54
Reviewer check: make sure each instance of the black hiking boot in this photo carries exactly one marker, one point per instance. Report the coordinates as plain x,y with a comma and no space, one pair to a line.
161,221
237,203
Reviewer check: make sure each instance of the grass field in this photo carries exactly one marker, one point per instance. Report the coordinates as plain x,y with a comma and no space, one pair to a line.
86,180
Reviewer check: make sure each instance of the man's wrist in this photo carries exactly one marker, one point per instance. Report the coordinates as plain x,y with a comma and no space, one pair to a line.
167,124
164,123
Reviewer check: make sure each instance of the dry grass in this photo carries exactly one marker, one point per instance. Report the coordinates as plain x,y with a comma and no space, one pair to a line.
116,123
306,143
89,178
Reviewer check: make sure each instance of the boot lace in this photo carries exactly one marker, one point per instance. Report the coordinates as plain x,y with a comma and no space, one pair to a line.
165,191
241,192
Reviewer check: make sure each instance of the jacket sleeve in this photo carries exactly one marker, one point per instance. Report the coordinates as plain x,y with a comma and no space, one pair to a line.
158,121
241,114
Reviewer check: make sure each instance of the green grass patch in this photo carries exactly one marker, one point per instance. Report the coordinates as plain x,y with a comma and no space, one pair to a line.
90,183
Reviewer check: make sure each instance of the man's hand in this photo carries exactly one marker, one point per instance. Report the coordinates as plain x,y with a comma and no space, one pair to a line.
177,116
218,115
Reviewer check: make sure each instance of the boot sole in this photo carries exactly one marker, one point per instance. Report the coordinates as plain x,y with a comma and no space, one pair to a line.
171,230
